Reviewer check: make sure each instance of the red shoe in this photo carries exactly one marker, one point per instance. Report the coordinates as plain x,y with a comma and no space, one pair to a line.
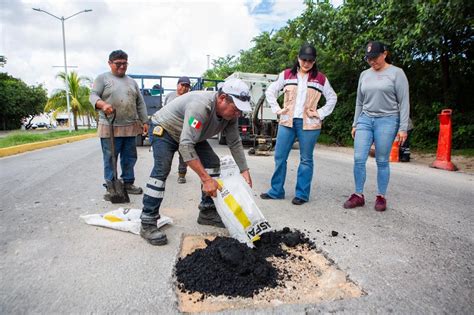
380,203
354,201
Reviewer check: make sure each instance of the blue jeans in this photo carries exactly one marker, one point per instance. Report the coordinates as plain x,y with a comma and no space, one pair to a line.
381,131
285,138
164,148
126,147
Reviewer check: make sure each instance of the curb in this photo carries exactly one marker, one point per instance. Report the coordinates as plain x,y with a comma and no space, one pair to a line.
17,149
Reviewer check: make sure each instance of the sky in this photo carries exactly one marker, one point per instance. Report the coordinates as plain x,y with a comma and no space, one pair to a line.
161,37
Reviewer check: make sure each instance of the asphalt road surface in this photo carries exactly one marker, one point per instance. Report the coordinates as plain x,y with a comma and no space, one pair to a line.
416,258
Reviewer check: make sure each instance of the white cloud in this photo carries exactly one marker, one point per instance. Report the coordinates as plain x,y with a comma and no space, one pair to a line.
282,11
161,37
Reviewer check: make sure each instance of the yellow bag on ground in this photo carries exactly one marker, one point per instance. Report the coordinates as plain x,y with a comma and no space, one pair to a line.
122,219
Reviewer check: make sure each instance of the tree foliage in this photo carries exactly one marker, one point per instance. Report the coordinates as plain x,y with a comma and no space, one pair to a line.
431,40
222,67
18,101
79,98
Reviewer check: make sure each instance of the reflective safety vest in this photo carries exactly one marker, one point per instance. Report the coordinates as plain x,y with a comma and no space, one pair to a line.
313,94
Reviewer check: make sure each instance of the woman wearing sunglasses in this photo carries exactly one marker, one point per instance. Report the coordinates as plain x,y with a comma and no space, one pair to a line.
300,118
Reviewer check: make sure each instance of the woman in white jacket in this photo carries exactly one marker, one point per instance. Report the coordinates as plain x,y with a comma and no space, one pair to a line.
300,118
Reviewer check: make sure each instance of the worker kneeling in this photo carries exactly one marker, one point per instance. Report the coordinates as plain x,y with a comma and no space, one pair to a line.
185,124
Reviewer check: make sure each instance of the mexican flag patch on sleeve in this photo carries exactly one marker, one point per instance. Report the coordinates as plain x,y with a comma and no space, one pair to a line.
193,122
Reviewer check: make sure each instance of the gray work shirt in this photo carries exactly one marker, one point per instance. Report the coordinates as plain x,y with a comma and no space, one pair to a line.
383,93
192,118
124,96
169,97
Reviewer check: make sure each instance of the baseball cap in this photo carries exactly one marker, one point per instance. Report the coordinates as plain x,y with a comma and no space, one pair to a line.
239,91
374,49
184,80
307,52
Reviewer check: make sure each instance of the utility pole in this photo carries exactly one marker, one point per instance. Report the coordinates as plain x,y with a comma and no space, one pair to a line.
62,19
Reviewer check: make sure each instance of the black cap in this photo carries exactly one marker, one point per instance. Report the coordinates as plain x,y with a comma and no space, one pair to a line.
184,80
374,49
307,52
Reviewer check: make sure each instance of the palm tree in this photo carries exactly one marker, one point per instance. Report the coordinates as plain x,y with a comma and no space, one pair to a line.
79,98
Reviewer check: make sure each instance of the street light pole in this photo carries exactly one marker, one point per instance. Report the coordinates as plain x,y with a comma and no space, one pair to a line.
62,19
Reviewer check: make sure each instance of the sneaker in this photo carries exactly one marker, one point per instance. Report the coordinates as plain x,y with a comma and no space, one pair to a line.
380,203
298,201
265,196
152,235
208,216
132,189
181,180
354,201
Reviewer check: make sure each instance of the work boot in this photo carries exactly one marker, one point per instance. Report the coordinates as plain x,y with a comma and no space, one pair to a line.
181,179
152,235
132,189
208,216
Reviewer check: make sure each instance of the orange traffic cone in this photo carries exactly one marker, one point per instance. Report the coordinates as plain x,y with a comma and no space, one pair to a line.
395,153
443,154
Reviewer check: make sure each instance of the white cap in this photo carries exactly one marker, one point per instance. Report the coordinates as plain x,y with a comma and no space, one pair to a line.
239,91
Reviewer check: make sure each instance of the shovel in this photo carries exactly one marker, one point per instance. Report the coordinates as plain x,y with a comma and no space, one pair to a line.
115,187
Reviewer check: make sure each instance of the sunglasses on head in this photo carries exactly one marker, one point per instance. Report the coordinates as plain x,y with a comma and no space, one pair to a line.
244,96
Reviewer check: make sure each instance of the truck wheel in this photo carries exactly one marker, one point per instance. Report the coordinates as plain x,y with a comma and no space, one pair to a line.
221,138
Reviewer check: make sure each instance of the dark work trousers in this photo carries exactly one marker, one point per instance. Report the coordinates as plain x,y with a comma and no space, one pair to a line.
126,149
182,167
164,148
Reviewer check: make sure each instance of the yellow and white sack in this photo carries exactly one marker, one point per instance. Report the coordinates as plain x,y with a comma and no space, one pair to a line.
236,205
122,219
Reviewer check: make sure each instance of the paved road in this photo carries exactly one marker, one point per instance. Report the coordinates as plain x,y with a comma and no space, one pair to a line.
416,258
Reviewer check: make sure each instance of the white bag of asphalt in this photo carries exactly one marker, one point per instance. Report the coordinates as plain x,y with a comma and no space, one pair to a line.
122,219
236,205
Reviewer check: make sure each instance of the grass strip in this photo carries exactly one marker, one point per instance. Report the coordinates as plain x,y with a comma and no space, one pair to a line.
24,137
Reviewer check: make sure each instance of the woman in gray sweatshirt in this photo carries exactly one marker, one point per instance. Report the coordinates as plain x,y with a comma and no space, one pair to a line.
382,110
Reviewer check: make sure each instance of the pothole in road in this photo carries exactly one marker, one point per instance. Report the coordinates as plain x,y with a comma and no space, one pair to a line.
215,273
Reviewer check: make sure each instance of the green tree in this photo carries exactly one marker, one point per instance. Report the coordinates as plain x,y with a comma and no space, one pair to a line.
272,52
19,101
79,97
432,41
222,67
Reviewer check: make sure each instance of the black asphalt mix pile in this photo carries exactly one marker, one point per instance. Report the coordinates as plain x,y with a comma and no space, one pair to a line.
228,267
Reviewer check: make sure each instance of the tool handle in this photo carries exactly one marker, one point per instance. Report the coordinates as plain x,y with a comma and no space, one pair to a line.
111,121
